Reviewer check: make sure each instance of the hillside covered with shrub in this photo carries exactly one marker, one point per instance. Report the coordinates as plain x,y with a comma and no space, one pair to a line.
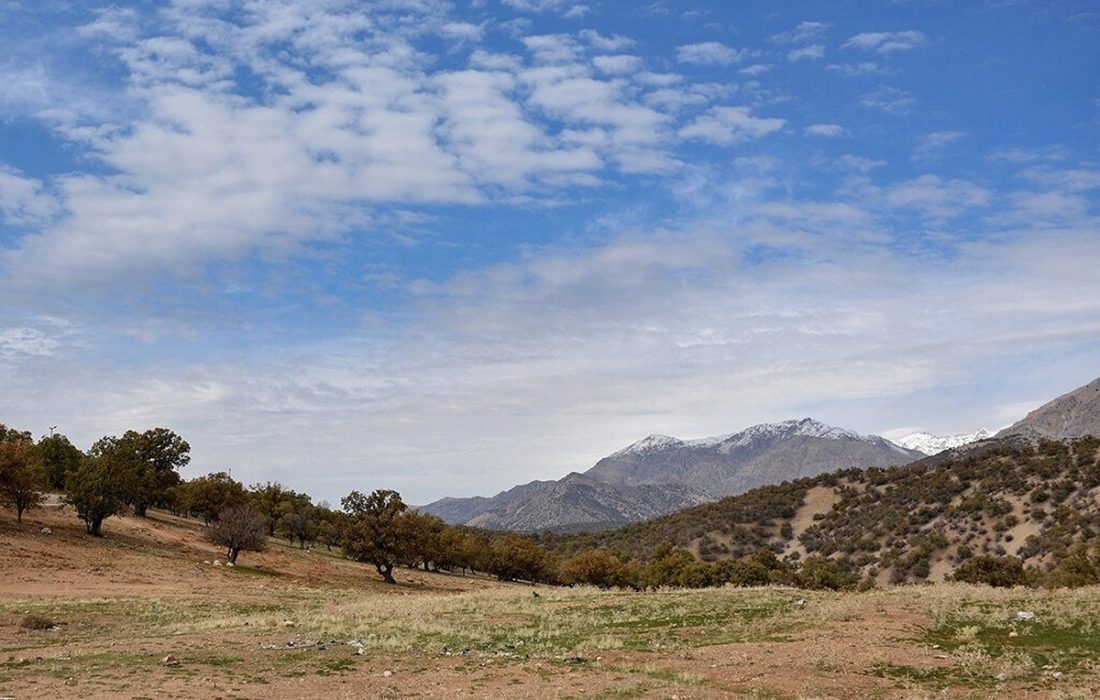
1035,502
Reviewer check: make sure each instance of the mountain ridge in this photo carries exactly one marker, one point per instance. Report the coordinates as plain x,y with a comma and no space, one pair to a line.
660,474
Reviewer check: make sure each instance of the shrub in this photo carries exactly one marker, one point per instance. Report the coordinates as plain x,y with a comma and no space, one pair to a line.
999,572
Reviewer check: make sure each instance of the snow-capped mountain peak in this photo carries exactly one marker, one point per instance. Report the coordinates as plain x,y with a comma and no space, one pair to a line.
931,444
798,427
651,443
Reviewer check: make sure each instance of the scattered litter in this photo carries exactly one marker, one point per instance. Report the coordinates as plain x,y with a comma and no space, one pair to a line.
1025,616
801,602
170,661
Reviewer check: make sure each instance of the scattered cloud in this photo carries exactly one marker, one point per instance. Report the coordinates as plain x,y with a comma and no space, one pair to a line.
890,100
727,126
565,8
827,130
856,70
804,32
709,53
938,199
934,144
813,52
886,42
25,201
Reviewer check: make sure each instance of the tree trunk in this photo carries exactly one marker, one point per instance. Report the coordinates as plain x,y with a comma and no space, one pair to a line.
386,572
19,507
232,557
139,510
95,527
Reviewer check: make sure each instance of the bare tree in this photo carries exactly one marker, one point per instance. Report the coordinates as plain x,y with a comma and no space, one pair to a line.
238,529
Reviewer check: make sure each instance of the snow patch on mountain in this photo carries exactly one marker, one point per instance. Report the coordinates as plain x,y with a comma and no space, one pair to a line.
651,443
805,427
931,444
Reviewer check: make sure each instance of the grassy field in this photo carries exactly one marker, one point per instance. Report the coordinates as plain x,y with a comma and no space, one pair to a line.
153,620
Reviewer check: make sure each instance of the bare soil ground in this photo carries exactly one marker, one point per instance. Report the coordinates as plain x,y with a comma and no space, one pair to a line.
97,618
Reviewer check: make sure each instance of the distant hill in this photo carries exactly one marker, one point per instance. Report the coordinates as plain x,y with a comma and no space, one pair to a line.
1032,498
661,474
1071,415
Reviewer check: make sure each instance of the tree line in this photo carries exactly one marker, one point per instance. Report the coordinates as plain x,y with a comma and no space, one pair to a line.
137,471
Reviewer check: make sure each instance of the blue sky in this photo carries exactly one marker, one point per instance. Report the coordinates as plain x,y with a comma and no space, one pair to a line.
446,247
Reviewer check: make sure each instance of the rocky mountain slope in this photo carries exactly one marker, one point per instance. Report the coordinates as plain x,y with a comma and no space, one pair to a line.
763,454
1068,416
580,502
661,474
930,444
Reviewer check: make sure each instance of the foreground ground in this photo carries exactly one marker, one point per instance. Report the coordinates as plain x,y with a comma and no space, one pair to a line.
144,613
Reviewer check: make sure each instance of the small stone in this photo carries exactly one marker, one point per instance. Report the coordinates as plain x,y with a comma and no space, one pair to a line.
217,562
230,564
170,661
46,531
1013,634
387,674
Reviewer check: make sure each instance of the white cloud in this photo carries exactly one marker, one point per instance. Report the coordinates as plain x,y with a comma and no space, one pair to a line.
566,8
890,100
756,69
803,32
856,70
886,42
621,64
827,130
25,201
463,31
709,53
804,307
934,144
938,199
730,125
859,164
813,52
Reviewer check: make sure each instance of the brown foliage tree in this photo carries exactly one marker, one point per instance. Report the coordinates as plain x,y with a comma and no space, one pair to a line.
238,529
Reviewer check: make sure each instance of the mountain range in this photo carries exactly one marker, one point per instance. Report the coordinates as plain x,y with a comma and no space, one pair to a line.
661,474
1031,492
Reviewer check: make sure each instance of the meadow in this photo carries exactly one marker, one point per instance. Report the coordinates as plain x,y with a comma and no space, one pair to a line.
144,613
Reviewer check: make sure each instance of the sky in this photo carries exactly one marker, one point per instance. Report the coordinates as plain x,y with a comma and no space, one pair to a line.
449,247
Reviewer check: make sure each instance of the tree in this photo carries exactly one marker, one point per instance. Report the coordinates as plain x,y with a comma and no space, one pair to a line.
146,463
159,454
97,489
422,537
514,557
21,475
238,529
265,499
297,520
59,458
206,496
595,567
373,532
